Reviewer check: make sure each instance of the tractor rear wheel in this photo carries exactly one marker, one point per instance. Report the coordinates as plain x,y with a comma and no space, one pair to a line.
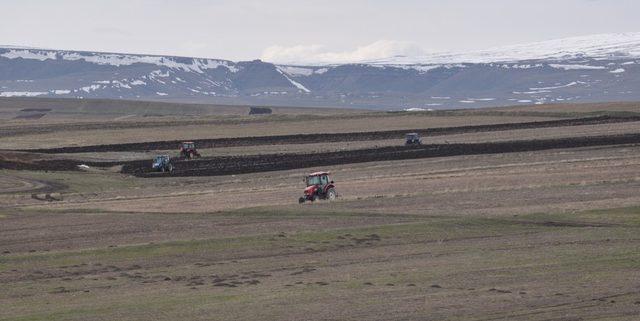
331,194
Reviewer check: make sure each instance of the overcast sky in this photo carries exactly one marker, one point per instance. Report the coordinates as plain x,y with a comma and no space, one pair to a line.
286,30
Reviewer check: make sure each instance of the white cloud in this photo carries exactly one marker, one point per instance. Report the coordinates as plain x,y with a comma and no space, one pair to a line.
318,54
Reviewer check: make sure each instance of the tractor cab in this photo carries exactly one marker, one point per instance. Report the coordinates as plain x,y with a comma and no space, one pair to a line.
412,139
160,159
162,163
188,145
319,186
188,150
318,179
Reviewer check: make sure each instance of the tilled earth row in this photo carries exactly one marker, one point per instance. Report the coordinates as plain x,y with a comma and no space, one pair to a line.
228,165
337,137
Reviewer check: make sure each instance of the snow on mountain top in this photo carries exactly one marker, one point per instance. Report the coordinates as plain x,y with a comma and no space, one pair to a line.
29,54
187,64
623,45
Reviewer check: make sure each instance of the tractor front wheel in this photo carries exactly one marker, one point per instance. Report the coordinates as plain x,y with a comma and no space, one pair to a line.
315,198
331,194
301,200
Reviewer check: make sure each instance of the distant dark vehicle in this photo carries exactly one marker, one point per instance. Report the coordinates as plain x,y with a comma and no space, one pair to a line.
162,163
188,150
319,186
260,111
412,139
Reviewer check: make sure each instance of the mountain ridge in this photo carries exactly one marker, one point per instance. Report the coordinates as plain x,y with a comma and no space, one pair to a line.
622,45
582,69
627,43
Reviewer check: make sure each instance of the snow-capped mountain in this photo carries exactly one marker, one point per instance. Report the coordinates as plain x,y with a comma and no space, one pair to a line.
603,46
582,69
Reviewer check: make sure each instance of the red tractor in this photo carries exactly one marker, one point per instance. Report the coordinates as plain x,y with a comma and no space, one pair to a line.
319,186
188,150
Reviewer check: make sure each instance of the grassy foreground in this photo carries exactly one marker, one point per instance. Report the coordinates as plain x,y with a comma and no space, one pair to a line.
549,264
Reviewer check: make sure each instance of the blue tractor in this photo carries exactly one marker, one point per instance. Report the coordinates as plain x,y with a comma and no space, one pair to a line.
412,139
162,163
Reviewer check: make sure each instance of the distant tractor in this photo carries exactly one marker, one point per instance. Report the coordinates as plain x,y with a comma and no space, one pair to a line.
319,186
412,139
188,150
162,163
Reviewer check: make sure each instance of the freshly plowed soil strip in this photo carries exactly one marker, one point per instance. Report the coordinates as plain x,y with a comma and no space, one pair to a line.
337,137
274,162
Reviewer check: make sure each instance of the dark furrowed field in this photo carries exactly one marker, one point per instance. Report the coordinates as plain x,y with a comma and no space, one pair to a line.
261,163
228,165
339,137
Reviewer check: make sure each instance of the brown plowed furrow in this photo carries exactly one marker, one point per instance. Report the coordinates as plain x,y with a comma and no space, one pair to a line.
228,165
337,137
273,162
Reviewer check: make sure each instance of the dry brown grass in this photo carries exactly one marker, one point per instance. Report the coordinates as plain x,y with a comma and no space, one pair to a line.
247,129
577,108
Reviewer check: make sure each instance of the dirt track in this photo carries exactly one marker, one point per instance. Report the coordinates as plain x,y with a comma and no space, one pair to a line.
336,137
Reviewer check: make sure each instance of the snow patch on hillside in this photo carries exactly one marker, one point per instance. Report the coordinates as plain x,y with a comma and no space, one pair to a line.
481,99
120,84
295,71
419,68
417,109
522,66
293,82
531,92
571,84
576,67
22,93
90,88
